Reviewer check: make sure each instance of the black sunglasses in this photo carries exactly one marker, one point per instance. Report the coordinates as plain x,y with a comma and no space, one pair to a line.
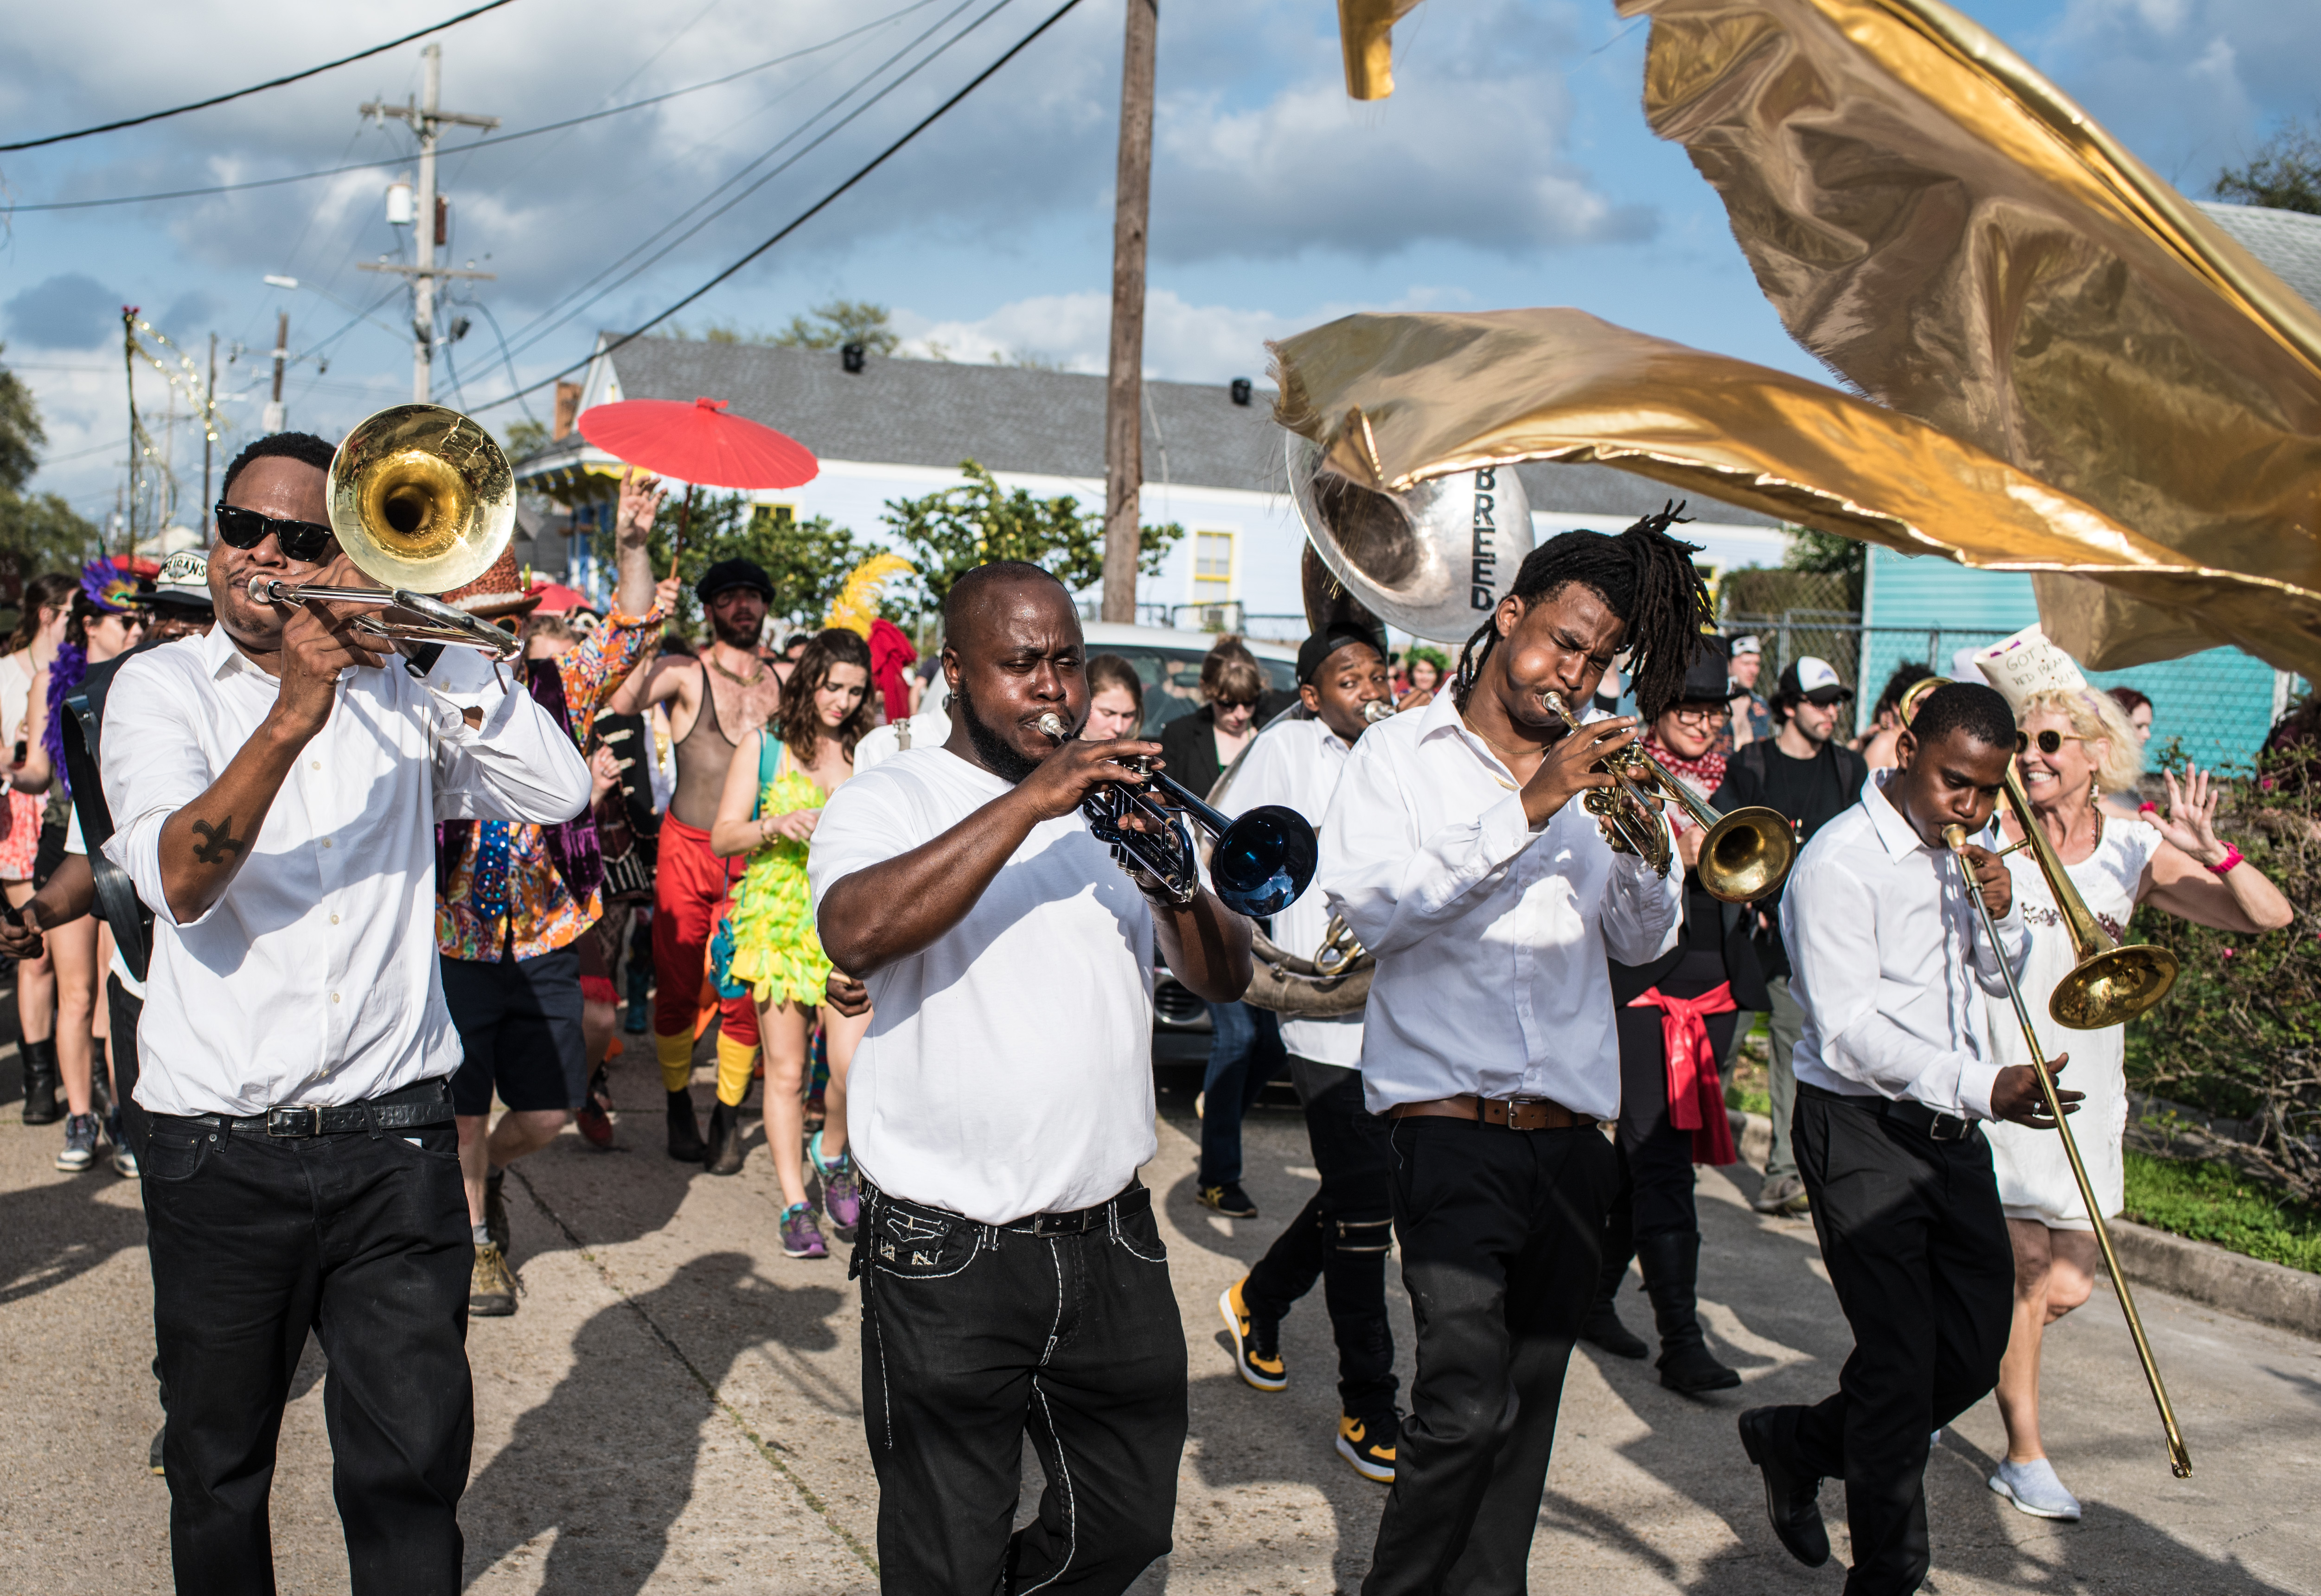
301,540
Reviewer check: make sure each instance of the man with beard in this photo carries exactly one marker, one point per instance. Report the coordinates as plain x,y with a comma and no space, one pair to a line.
730,689
1013,1273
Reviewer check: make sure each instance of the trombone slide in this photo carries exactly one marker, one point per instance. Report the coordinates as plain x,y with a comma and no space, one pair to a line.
2180,1459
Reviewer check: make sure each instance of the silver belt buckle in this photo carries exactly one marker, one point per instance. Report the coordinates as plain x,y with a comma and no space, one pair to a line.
294,1124
1949,1127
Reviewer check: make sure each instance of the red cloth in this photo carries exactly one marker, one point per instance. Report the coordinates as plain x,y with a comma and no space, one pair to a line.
891,659
1695,1095
691,889
1706,774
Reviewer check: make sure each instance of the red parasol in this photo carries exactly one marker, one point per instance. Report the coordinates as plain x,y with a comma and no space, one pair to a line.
700,444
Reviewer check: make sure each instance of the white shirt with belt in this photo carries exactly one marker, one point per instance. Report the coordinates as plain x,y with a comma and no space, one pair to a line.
1491,935
313,979
1889,963
1008,1066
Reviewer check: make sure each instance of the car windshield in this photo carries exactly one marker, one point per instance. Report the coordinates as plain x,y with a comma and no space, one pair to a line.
1172,680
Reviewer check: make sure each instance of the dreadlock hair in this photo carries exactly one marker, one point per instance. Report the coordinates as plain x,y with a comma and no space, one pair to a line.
1644,575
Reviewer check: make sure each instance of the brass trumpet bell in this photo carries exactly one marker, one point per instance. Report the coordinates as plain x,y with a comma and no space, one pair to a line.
421,498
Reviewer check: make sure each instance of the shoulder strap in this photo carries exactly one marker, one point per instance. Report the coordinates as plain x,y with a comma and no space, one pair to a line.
116,895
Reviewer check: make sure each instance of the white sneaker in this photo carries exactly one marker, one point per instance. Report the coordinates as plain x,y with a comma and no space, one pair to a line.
2033,1488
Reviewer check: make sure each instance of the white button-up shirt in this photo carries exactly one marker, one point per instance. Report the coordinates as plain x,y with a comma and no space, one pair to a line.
1490,936
1296,764
313,979
1881,938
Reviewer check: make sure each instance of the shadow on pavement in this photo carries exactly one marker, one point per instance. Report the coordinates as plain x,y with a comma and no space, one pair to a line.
56,1231
608,1461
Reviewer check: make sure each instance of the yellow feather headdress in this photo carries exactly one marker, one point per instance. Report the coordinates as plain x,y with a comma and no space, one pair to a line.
857,604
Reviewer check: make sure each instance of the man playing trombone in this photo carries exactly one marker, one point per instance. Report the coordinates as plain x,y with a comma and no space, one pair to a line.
1895,1074
277,785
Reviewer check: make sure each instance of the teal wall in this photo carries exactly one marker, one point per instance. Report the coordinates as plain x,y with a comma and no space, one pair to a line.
2218,704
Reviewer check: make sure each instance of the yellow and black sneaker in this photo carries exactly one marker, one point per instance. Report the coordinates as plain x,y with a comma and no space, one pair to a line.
1257,1351
1368,1445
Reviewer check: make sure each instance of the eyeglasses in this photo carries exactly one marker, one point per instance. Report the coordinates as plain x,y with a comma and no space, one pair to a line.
1700,714
2049,741
301,540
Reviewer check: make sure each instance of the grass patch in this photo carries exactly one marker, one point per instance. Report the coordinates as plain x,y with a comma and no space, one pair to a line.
2210,1201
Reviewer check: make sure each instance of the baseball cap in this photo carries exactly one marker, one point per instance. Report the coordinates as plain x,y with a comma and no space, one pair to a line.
185,580
1814,679
1746,644
1328,641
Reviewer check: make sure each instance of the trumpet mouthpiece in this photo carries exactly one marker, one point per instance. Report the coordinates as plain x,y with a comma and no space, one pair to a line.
1954,837
261,589
1377,709
1052,725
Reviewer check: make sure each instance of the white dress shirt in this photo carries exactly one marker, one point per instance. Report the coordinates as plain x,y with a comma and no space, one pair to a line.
313,979
1008,1068
1490,936
1296,764
1881,935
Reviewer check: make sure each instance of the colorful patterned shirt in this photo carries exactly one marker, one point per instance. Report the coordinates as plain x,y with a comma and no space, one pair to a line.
544,915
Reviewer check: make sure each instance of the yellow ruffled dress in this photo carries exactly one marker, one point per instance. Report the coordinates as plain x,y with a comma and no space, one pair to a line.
776,952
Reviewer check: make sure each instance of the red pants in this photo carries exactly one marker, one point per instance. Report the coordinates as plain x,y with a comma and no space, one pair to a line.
690,886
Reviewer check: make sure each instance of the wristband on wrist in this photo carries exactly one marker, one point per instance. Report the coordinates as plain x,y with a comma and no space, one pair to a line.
2232,857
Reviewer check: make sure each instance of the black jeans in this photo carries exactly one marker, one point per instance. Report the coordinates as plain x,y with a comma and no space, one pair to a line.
363,1239
973,1335
1917,1247
1501,1233
125,1009
1340,1238
1245,1052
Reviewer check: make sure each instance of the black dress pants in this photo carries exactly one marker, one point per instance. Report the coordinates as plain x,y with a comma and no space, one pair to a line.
1501,1233
1916,1243
1655,1157
363,1239
974,1335
1340,1238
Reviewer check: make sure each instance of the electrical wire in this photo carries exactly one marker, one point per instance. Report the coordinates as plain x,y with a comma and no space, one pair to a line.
470,147
131,121
556,315
803,217
507,358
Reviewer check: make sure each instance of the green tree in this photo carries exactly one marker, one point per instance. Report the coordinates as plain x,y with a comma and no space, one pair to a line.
521,438
2285,173
947,533
21,433
37,531
1825,553
807,560
841,321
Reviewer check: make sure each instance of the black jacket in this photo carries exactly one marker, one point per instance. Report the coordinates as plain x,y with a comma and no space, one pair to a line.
1745,783
1189,744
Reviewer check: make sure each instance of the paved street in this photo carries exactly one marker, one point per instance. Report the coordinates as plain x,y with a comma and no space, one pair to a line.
674,1407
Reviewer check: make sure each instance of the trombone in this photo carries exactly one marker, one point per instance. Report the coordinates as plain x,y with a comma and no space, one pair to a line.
419,495
1744,856
1258,864
2109,985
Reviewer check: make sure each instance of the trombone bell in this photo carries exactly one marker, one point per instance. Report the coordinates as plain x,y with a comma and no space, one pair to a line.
421,498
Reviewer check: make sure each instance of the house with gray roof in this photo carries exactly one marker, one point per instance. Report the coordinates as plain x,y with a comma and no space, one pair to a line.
1215,462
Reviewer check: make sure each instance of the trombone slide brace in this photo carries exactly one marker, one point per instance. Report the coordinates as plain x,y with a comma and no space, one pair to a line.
439,623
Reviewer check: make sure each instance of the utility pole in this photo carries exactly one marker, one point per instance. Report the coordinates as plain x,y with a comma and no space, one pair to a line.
426,120
209,435
1124,429
274,416
136,432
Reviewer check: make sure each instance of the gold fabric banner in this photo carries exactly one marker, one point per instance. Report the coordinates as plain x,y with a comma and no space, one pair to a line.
1393,400
1952,235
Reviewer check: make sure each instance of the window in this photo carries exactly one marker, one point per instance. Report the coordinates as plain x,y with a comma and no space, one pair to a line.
1213,567
764,518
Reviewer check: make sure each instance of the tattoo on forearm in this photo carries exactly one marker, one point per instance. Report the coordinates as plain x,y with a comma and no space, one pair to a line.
218,845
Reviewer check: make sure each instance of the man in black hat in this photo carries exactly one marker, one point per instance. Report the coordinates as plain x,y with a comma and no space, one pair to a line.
1341,1236
730,689
1807,774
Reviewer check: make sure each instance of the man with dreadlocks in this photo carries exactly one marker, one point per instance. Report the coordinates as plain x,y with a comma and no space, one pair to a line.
1456,853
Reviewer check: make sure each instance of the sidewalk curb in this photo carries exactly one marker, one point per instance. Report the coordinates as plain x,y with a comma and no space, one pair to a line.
2249,1288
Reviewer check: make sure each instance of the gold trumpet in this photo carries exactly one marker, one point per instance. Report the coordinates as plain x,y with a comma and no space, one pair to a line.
420,496
2109,985
1743,855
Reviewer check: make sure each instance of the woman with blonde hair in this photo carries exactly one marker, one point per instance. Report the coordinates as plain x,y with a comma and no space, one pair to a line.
775,788
2078,745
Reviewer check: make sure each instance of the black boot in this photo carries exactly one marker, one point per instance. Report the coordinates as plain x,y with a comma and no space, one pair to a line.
684,1130
41,1080
1602,1327
724,1154
1671,1266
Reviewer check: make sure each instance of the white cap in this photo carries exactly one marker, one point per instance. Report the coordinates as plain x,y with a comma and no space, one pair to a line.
1746,644
184,579
2028,664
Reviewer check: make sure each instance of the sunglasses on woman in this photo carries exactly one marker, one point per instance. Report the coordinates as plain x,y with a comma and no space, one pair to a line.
301,540
2049,741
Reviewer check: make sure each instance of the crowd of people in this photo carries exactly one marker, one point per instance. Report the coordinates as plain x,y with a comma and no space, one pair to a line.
368,915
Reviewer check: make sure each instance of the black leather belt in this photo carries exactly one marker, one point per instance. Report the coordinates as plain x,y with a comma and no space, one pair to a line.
1076,1221
408,1107
1927,1122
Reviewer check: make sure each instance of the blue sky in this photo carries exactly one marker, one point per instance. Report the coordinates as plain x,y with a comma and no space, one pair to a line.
1512,167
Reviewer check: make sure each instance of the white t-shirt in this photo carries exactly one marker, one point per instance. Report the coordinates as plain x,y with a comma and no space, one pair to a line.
1008,1069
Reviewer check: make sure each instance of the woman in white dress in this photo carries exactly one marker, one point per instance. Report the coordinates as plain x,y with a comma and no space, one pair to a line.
2078,746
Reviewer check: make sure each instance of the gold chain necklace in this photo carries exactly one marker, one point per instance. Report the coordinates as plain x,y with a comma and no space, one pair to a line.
750,681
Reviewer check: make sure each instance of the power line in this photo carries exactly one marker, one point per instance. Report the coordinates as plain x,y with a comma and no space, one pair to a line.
468,149
256,87
803,217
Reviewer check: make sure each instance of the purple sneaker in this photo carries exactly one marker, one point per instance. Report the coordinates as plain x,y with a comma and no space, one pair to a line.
801,1236
841,1192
